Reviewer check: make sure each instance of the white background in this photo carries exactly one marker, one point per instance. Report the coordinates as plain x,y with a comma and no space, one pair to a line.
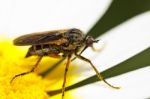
19,17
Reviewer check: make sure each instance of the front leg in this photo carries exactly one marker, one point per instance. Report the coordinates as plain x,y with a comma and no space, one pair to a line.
97,72
80,52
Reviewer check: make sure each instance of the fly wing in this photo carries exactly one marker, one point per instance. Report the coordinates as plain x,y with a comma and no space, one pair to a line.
41,38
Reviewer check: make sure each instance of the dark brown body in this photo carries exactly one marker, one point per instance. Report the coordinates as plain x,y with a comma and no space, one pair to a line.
54,43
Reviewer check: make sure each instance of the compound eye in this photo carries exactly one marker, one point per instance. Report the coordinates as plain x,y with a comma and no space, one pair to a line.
89,41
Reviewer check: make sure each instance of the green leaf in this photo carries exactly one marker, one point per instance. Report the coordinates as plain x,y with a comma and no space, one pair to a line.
119,12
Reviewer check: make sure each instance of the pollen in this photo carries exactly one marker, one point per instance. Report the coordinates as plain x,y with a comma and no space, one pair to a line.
30,86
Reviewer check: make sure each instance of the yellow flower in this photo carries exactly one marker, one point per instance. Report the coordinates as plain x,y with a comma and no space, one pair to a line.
33,85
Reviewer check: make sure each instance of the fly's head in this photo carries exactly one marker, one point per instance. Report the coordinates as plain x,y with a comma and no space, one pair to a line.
89,40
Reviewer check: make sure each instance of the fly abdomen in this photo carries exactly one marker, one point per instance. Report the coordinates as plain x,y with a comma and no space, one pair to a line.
37,52
42,50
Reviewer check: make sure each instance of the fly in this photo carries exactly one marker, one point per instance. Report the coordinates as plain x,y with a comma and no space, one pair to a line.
58,43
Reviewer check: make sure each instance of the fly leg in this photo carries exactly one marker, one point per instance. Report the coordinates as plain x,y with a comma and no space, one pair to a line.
32,70
97,72
80,53
65,75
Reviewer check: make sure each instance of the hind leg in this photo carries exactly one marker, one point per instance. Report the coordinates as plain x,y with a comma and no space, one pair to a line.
32,70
